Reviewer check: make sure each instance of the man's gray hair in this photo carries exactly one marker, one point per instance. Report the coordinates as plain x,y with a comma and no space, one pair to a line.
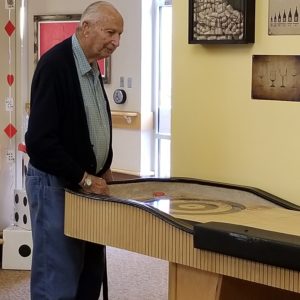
91,13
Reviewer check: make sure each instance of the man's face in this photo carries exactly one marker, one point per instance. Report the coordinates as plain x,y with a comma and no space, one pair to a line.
103,37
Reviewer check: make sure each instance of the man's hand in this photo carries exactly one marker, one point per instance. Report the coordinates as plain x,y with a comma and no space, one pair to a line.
97,185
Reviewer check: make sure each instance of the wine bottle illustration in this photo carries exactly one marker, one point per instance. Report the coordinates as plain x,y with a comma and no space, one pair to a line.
290,16
296,15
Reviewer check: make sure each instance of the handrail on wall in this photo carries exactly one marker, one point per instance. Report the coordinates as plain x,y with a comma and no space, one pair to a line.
125,114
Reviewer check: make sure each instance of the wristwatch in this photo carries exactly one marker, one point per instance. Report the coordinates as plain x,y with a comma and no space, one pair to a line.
87,182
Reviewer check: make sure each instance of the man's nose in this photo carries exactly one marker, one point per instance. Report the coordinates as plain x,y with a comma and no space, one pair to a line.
116,40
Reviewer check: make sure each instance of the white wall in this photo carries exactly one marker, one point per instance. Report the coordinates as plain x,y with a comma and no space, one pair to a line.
126,62
7,170
132,148
133,151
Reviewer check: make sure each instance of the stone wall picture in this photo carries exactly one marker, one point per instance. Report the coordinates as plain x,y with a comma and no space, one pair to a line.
221,21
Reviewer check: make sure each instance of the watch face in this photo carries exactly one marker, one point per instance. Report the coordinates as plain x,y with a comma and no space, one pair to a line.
119,96
88,182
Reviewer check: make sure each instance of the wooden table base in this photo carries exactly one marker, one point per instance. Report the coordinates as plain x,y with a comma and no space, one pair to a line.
186,283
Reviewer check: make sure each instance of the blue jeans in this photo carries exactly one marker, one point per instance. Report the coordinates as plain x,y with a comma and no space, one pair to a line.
62,267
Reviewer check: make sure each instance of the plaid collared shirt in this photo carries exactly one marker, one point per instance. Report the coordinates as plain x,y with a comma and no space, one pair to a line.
94,103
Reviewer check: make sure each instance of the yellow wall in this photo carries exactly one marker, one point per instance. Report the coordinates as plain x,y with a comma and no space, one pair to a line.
218,132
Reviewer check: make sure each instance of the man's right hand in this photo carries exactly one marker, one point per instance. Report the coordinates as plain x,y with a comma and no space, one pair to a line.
96,185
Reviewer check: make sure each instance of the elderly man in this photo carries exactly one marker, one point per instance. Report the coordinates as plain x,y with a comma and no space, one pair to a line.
69,144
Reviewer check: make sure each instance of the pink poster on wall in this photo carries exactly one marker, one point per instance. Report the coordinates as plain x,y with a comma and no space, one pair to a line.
53,32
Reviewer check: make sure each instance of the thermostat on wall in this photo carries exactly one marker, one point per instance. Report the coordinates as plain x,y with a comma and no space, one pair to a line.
119,96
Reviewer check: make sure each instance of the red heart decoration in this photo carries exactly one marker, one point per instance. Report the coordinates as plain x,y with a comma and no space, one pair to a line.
22,148
10,79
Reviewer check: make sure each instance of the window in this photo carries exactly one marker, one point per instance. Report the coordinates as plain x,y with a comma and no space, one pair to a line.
163,98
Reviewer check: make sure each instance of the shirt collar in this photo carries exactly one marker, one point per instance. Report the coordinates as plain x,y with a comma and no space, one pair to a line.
83,64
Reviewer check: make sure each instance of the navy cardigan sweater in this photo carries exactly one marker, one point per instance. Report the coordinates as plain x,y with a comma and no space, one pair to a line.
57,139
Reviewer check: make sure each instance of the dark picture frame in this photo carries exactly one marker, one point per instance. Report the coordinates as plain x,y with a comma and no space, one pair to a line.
221,22
49,30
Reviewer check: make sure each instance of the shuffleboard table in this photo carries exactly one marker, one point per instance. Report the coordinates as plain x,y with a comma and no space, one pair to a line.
223,241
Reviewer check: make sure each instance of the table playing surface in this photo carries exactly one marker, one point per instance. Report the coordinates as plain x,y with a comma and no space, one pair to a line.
195,202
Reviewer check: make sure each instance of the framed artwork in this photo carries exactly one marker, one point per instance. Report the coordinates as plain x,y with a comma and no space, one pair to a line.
284,17
221,22
49,30
276,77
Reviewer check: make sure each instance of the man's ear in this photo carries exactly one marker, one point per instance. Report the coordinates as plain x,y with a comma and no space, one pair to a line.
85,28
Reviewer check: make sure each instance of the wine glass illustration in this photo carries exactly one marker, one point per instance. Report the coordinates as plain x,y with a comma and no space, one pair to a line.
272,77
283,74
294,79
261,74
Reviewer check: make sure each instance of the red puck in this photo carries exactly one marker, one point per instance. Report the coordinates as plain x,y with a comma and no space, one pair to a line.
158,194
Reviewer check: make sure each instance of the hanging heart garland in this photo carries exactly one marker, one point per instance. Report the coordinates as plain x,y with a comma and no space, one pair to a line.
10,79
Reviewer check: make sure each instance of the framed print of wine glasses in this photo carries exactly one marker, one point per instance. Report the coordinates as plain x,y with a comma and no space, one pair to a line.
221,21
284,18
276,77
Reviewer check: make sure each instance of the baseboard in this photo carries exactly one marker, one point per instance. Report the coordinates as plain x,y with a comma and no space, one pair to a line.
123,176
133,173
127,172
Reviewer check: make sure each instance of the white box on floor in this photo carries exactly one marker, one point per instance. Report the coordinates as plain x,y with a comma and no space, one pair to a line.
22,215
17,248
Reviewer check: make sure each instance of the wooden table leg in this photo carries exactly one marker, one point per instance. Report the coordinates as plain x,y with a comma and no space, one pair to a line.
187,283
